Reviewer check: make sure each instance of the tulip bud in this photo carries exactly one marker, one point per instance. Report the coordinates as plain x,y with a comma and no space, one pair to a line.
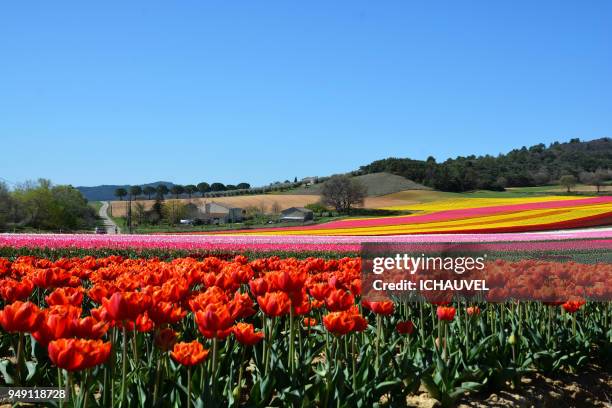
512,339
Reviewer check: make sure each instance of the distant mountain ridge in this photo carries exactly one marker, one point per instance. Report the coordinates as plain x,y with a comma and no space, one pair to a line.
106,192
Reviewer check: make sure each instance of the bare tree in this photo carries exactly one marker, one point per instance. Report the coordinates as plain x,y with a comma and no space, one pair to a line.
342,192
276,208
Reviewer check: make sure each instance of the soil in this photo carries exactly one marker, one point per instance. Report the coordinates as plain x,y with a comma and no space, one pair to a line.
591,388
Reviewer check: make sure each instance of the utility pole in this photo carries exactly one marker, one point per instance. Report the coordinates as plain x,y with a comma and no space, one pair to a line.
129,213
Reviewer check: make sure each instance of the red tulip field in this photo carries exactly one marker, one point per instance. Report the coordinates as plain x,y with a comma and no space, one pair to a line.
208,331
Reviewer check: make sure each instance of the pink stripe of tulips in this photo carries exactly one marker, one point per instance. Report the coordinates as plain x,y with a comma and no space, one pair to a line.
586,239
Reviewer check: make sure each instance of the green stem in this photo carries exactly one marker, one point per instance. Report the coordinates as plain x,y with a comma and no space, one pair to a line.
240,376
157,380
422,324
354,358
214,367
378,334
188,386
123,364
291,362
59,385
19,358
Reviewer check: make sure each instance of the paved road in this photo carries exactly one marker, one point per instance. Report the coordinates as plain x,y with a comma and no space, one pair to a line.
110,225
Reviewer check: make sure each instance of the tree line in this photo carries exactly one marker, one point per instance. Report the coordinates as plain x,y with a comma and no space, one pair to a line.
41,205
204,189
590,162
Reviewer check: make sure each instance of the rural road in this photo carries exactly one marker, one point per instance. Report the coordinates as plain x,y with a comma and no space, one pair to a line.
109,224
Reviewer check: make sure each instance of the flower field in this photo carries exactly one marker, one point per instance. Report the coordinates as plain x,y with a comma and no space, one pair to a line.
275,332
471,215
563,240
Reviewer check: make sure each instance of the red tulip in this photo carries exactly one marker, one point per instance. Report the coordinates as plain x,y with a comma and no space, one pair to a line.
289,281
572,306
406,327
241,306
246,335
144,324
89,328
473,311
274,303
214,321
338,323
165,339
309,322
126,305
339,299
66,296
78,354
189,354
384,308
258,286
319,291
21,317
166,313
446,313
57,323
12,291
344,322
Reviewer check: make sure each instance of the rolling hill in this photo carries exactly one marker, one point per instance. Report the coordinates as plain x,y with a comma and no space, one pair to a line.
378,184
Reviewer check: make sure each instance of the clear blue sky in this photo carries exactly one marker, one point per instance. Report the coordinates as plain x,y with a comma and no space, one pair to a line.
258,91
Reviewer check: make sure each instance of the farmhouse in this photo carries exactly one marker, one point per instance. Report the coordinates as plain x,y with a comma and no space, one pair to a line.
309,181
217,213
296,214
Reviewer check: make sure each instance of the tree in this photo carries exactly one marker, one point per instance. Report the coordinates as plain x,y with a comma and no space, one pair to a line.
342,192
600,177
203,188
135,191
173,211
568,181
161,190
149,191
317,208
217,187
141,213
230,187
177,190
44,206
190,189
243,186
7,206
120,192
295,179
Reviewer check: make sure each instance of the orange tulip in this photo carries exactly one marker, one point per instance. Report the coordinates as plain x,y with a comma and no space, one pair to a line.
246,335
126,305
445,313
384,308
21,317
215,321
189,354
274,303
78,354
